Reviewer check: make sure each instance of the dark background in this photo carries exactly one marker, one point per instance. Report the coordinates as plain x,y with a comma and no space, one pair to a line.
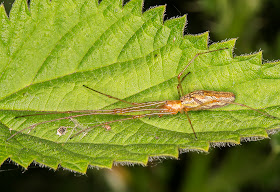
251,167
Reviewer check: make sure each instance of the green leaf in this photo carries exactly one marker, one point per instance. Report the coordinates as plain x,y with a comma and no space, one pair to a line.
51,49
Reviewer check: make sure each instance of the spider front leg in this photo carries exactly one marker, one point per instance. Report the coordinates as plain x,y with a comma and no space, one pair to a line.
179,86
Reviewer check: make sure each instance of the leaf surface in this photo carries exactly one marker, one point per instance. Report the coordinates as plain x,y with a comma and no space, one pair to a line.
51,49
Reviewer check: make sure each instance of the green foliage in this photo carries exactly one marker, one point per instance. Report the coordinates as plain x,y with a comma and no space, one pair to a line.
50,50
